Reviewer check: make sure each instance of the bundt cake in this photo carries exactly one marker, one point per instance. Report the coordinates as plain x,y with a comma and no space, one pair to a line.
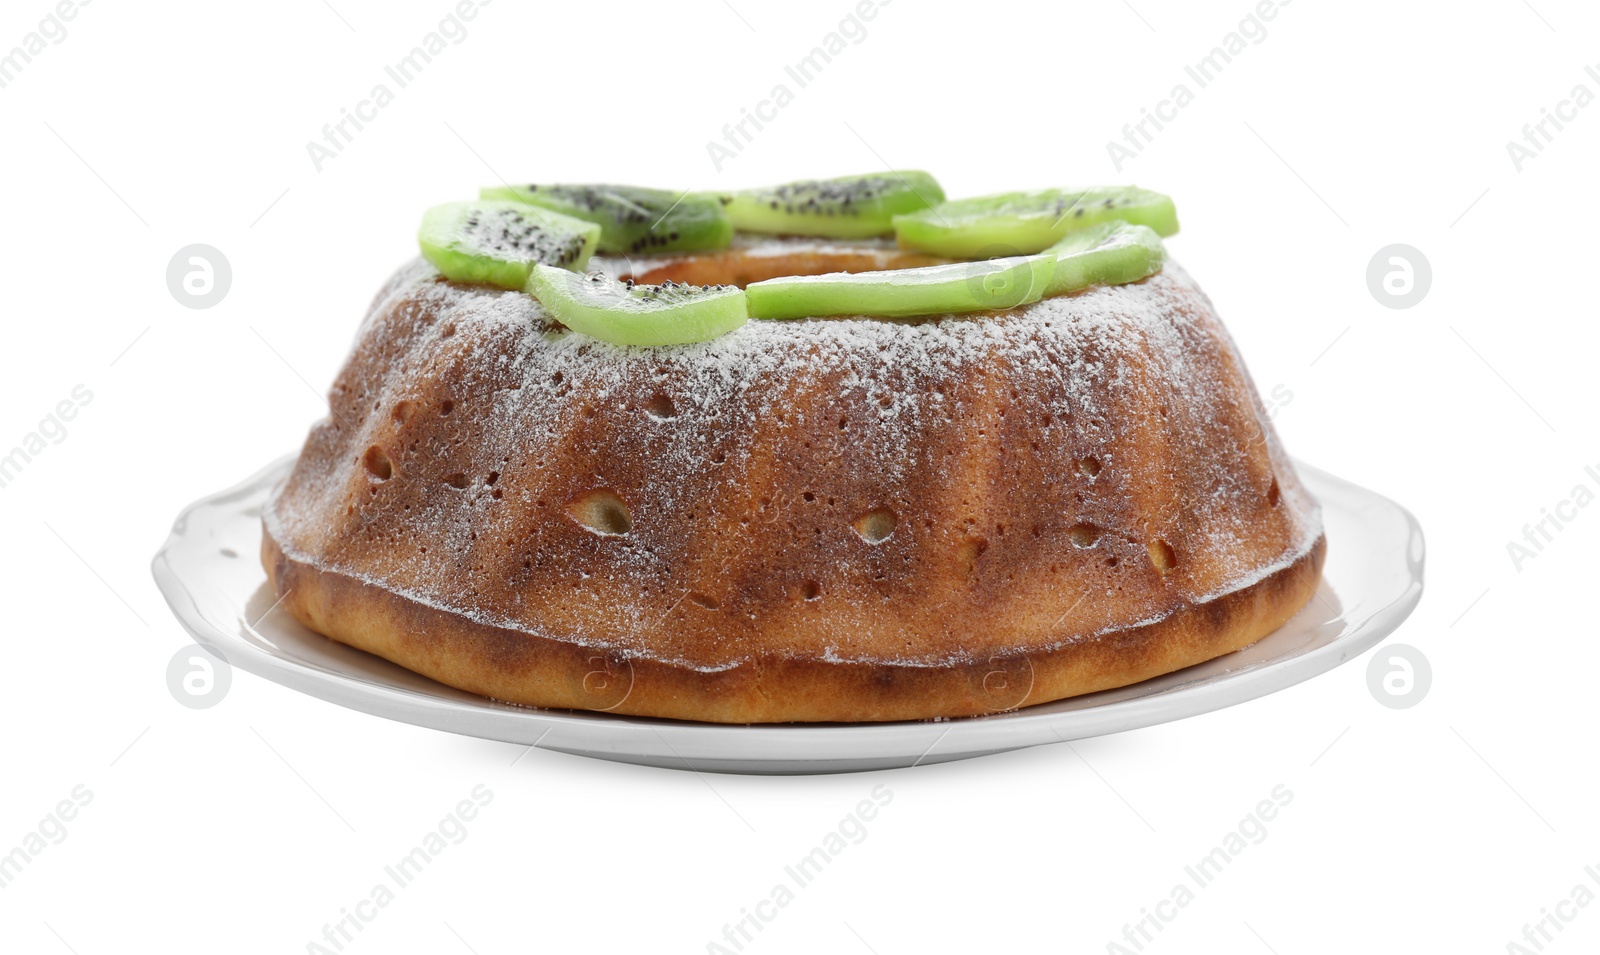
846,519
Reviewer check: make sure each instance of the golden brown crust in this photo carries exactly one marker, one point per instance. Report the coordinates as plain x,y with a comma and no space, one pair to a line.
520,668
825,520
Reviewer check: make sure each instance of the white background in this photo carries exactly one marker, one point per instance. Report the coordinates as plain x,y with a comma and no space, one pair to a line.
1351,126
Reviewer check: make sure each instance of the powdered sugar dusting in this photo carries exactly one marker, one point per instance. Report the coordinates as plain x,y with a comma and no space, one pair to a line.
976,431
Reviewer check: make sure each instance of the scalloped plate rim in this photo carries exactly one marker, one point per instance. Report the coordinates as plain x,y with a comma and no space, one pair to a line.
784,748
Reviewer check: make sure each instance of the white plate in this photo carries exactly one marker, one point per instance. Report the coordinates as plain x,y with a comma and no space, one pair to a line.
212,579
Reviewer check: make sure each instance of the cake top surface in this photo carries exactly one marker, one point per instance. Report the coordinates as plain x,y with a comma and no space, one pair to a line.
1093,326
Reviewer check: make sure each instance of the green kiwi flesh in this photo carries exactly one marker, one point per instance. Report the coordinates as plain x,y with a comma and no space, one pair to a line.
849,207
930,290
623,313
498,243
1111,253
1026,222
633,220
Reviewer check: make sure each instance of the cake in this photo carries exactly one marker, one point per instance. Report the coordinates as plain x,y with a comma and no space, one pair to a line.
844,519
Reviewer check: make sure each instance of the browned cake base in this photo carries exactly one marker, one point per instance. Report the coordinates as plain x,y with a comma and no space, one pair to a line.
534,671
843,520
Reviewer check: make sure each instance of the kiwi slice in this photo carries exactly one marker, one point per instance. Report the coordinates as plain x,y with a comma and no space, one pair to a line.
633,220
623,313
1111,253
498,243
850,207
1024,222
930,290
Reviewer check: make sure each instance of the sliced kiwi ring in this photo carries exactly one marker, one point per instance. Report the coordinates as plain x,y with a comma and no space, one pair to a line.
987,285
633,220
624,313
498,243
849,207
1029,221
1111,253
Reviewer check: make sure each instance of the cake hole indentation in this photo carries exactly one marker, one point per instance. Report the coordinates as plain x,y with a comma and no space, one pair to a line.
876,526
1084,534
968,553
1162,557
377,463
661,408
601,512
